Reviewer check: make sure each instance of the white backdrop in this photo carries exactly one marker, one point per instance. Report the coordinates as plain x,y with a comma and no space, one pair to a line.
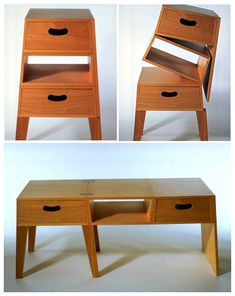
24,162
61,128
136,28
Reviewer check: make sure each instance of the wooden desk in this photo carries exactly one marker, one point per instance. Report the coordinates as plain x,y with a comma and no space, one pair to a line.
90,203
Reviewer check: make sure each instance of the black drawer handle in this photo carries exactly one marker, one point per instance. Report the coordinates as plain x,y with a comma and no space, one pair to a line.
57,98
188,22
51,208
58,32
183,206
168,94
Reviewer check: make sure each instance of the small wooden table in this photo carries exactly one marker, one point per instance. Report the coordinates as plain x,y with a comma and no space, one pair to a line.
90,203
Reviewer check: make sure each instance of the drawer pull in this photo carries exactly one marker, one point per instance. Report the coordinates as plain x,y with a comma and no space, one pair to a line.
188,23
58,32
169,94
51,208
183,206
57,98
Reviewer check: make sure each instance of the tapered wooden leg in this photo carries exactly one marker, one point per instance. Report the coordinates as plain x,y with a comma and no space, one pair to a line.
139,125
31,239
95,128
97,242
210,245
89,236
22,128
21,237
202,125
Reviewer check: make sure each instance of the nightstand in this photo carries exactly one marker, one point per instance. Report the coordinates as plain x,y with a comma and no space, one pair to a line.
59,90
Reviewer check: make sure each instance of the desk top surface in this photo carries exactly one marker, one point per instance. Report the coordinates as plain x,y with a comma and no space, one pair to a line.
116,188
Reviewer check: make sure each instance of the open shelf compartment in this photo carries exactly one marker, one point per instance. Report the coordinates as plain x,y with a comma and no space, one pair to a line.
111,212
48,74
191,70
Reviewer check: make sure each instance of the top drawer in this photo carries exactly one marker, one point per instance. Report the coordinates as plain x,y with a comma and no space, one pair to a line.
187,25
58,35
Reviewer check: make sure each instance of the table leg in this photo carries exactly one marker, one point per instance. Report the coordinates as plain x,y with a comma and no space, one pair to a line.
21,237
139,125
202,124
89,236
22,128
95,128
97,242
210,245
31,239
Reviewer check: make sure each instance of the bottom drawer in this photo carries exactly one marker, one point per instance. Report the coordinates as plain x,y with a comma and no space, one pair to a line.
57,102
169,98
49,212
183,210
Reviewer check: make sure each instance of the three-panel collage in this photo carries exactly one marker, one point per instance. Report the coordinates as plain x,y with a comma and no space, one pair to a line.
117,151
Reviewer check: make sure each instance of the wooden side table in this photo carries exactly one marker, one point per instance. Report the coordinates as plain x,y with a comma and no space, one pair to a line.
137,201
195,30
161,90
59,90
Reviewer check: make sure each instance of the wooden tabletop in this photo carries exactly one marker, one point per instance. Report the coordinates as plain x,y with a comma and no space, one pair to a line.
35,13
116,188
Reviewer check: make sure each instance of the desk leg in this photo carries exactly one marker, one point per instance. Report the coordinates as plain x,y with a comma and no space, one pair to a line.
139,125
21,237
210,245
95,128
90,240
202,124
97,242
31,239
22,128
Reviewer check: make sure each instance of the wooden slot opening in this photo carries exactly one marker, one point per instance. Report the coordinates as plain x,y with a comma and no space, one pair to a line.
135,211
79,74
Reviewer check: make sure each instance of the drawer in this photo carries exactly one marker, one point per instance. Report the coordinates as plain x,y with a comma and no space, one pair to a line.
183,210
58,35
187,25
57,102
169,98
50,212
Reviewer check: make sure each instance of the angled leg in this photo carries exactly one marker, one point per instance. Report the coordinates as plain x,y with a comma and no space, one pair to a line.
210,245
21,237
97,242
139,125
31,239
95,128
202,125
89,236
22,128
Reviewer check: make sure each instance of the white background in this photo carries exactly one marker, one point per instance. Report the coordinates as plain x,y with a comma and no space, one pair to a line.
170,253
136,29
62,128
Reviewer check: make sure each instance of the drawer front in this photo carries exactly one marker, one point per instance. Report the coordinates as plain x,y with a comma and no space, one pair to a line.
49,212
54,35
183,210
169,98
57,102
187,26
